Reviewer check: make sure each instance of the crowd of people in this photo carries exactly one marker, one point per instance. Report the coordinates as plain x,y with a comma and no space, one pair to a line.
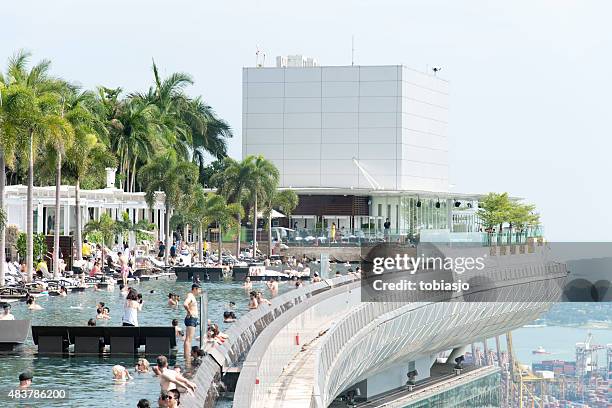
173,380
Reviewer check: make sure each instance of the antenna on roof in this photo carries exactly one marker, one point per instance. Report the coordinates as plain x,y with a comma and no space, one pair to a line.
352,50
260,57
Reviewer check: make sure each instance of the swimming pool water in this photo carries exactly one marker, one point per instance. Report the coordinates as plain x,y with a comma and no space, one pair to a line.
89,379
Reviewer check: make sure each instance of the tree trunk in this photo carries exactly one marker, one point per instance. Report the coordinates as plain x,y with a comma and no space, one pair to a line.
220,243
200,244
270,235
56,230
133,183
3,227
186,233
30,212
167,231
77,233
238,236
255,227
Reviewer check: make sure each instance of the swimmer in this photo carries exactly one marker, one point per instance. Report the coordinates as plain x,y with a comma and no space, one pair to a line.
273,286
142,366
316,278
63,291
170,379
120,373
229,317
171,300
6,314
248,285
253,304
32,305
91,322
177,330
25,380
261,299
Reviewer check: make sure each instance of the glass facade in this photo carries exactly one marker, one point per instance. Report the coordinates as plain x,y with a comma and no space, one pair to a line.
431,214
483,392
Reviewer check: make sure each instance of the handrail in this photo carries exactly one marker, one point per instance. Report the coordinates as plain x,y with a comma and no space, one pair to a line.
370,314
252,368
243,334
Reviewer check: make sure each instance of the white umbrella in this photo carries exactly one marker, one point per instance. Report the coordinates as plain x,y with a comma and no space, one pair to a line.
275,214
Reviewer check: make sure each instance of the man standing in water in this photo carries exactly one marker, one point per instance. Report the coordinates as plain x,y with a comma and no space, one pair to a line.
191,320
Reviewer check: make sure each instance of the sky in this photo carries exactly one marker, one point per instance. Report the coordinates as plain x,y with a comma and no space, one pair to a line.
530,80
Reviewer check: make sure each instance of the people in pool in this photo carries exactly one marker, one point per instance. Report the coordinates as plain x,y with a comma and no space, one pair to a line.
191,317
32,305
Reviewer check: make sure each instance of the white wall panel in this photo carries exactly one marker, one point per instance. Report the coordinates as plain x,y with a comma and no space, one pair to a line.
340,120
335,89
335,180
425,109
426,170
414,138
302,89
268,151
422,154
379,88
265,75
338,166
304,180
382,119
264,105
341,105
264,120
379,104
302,105
309,74
339,151
303,167
377,151
265,90
423,124
379,135
340,74
340,135
303,120
265,136
423,94
302,151
292,136
379,166
379,73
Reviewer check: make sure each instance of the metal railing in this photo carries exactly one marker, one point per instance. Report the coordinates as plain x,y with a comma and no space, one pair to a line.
243,334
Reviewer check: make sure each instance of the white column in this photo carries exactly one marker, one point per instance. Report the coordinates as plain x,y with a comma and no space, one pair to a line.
162,223
67,219
39,226
136,214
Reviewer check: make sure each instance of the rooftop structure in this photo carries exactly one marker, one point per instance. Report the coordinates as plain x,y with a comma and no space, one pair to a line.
374,127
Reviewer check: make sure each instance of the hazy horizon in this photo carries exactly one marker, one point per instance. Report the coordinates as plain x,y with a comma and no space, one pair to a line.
529,93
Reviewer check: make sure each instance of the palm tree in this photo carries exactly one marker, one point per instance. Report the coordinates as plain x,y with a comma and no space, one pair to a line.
106,227
233,184
223,214
263,181
38,117
193,211
88,152
189,125
133,130
172,177
286,201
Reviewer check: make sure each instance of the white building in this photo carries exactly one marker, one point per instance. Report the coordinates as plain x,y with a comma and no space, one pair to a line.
93,203
367,142
382,127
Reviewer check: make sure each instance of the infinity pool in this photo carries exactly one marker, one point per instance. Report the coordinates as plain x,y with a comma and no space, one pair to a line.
89,379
